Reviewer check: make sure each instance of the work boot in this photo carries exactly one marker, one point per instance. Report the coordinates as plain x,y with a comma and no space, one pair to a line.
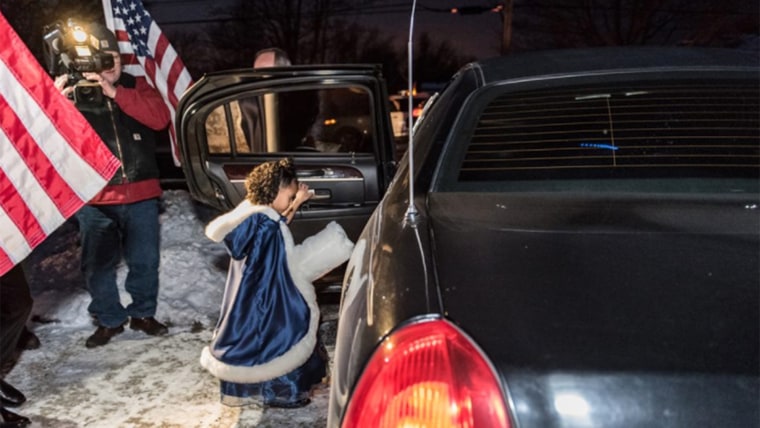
28,340
102,336
148,325
9,419
10,396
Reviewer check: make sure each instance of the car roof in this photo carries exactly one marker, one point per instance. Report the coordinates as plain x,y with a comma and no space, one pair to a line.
608,59
304,69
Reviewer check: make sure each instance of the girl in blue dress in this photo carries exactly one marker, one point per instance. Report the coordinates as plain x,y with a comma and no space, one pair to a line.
265,347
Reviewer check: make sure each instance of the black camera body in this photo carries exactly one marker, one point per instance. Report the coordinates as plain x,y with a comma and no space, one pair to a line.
87,92
69,49
95,63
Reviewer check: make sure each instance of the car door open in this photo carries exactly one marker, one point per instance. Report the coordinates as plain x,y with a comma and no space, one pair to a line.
334,124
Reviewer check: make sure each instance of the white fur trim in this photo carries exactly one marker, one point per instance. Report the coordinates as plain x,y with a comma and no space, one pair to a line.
322,252
219,227
298,353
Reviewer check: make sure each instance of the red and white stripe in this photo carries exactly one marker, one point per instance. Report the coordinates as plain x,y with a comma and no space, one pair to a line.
51,160
164,70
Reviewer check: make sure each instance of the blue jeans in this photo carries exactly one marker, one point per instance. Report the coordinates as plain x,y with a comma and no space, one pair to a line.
108,232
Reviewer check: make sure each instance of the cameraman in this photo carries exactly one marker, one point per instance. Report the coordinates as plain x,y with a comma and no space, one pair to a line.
123,218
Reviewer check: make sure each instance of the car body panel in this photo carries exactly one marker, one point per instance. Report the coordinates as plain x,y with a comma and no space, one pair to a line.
632,265
620,305
628,292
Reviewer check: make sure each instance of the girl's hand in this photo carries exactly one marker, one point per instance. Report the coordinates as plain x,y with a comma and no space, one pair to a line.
303,194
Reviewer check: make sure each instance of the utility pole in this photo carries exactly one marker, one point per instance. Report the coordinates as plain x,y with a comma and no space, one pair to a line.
504,8
506,16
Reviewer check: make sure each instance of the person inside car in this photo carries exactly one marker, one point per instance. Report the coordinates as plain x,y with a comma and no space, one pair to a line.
245,113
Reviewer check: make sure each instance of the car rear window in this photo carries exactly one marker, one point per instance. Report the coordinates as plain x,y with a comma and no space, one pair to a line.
665,136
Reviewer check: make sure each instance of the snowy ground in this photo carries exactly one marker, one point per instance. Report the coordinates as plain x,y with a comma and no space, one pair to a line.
137,380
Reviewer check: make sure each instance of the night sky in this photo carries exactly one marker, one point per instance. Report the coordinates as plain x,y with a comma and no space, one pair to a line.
476,35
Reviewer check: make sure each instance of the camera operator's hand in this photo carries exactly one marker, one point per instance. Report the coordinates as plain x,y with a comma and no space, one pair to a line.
109,89
60,84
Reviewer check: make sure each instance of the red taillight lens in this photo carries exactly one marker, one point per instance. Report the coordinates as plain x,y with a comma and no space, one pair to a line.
427,374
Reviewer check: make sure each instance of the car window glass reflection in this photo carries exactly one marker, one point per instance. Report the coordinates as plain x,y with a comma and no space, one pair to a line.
335,120
218,130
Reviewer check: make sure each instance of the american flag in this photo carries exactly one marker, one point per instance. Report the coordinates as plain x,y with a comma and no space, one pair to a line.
51,160
145,51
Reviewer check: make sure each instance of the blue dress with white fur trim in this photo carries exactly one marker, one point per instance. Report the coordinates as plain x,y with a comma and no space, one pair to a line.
265,347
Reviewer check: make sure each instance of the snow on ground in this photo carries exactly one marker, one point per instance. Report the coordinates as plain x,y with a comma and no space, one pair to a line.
138,380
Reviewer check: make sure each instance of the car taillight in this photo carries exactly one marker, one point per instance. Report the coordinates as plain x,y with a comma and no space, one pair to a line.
427,374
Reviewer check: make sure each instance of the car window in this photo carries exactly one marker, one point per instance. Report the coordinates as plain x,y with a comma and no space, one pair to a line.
663,137
333,120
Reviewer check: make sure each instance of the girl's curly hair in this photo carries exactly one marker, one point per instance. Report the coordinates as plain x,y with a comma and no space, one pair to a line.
264,182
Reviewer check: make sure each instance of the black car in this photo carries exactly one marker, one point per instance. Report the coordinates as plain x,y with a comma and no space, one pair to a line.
581,249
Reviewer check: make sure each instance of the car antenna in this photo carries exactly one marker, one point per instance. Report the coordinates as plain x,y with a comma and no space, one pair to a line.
411,217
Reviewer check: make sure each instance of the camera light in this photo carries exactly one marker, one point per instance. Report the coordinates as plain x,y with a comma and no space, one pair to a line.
80,36
83,50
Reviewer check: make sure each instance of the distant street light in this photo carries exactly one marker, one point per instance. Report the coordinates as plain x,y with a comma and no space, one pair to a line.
471,10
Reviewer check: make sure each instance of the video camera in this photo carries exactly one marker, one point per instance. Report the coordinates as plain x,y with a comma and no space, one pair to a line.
70,49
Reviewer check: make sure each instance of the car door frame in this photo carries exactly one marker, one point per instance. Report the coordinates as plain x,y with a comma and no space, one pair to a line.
214,174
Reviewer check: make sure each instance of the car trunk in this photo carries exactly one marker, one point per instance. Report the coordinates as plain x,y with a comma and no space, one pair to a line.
616,311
